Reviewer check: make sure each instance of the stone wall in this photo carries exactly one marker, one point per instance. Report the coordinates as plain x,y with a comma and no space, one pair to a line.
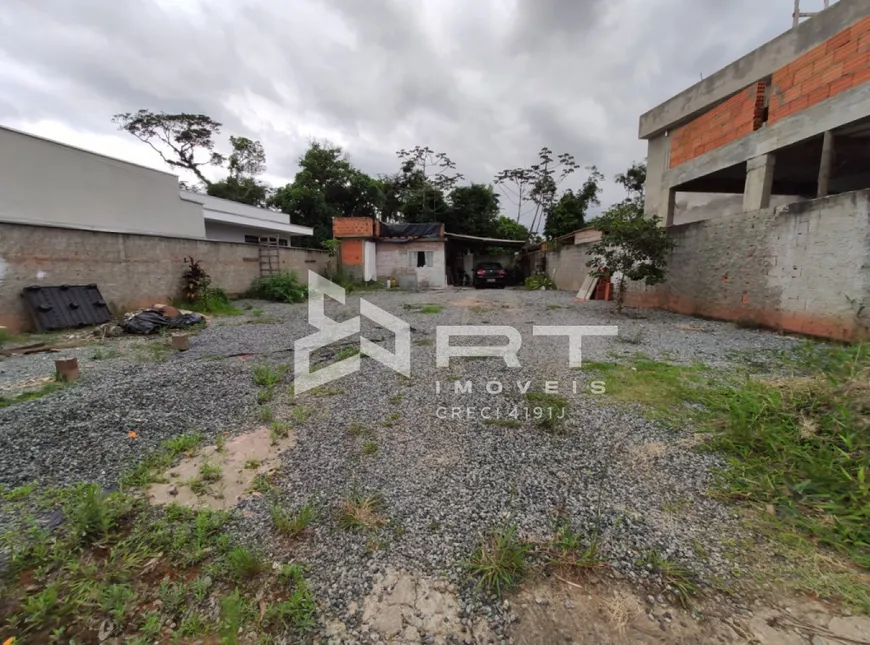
801,268
131,270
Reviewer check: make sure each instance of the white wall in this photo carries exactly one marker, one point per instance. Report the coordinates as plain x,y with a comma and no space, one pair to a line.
392,261
43,182
233,233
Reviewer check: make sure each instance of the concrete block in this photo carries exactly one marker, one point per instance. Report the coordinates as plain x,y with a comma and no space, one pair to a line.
67,369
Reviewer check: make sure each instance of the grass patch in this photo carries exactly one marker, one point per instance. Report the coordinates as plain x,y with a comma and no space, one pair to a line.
47,388
154,574
291,524
148,471
266,413
504,423
244,564
369,448
280,287
798,445
151,351
266,375
278,430
252,464
207,475
301,413
679,577
362,512
499,561
430,309
424,342
212,302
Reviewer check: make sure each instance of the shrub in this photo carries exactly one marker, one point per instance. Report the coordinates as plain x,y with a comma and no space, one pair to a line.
539,281
280,287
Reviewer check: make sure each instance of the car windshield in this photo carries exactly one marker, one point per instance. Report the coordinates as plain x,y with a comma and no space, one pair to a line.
489,265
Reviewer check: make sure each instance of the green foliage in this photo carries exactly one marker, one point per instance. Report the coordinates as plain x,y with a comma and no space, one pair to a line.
539,281
189,138
430,309
4,337
279,287
631,244
499,561
267,376
291,524
236,610
245,190
327,186
47,388
370,448
244,564
569,212
298,612
507,229
200,296
247,160
474,210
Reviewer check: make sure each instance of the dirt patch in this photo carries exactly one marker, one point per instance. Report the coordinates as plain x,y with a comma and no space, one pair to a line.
594,612
405,608
218,479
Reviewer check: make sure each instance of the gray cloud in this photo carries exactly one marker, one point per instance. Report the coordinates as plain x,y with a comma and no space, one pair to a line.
489,82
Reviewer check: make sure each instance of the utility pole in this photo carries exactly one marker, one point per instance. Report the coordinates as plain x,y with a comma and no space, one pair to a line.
797,15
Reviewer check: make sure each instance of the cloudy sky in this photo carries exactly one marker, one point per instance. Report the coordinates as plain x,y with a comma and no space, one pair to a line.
486,81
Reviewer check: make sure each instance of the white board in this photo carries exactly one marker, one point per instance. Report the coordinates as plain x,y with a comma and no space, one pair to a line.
587,288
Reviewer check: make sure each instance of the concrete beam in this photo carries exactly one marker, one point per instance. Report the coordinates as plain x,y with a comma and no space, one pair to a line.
846,107
752,68
759,183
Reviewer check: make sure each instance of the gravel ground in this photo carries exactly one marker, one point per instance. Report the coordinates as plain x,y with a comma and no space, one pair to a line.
445,482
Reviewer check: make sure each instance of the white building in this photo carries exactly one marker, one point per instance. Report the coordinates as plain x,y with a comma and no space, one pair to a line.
47,183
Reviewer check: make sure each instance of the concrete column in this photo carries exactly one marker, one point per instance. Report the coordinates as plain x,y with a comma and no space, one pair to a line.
759,182
825,166
667,206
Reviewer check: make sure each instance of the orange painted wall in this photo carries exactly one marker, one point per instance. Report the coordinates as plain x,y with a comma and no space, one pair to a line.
738,116
351,252
841,63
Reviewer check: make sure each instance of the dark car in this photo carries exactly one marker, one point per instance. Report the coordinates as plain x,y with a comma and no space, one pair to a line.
489,274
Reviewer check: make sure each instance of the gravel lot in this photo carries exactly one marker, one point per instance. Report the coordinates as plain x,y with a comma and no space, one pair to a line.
445,482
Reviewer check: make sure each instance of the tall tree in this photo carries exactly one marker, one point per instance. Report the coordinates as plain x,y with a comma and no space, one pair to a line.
569,213
508,229
549,173
516,184
634,181
326,186
473,210
247,160
189,138
425,171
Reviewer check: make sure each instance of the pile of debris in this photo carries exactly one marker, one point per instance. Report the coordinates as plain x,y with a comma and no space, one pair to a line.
157,317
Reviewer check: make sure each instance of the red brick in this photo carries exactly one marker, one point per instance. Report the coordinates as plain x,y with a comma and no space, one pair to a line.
861,76
821,94
833,73
803,74
846,51
859,61
841,84
839,40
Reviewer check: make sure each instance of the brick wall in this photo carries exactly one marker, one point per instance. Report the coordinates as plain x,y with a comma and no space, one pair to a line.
738,116
794,268
131,270
352,227
834,66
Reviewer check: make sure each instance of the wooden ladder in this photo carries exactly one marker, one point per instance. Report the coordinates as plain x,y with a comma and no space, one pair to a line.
270,262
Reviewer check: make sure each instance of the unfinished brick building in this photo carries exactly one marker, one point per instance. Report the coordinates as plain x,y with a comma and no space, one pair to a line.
791,122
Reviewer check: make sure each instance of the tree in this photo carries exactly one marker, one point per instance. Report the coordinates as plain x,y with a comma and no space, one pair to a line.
473,210
548,174
632,244
326,186
569,213
508,229
189,137
516,184
634,181
247,160
425,171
